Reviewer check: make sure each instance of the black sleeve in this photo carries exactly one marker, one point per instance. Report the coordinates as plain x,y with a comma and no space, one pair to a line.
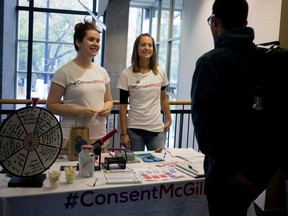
124,96
163,87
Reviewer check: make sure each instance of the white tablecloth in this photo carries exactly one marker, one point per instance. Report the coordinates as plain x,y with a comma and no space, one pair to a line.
180,196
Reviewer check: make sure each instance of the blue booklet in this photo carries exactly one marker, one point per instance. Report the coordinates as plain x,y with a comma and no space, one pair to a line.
148,157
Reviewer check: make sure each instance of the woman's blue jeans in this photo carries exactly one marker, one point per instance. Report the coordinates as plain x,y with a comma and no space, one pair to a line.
142,138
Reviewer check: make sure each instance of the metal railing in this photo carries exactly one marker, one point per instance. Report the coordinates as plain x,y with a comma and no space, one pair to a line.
180,134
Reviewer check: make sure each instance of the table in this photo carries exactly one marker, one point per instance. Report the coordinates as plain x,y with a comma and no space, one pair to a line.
180,196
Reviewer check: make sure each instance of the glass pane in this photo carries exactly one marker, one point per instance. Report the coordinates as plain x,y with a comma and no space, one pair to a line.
174,67
55,27
154,23
22,70
178,5
22,55
23,3
52,47
177,18
64,4
162,54
97,59
146,20
164,23
135,17
23,25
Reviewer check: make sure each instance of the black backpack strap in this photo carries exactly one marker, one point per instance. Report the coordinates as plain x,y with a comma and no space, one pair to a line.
271,45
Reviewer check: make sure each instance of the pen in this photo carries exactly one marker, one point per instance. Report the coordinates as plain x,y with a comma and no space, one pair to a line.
115,149
186,172
193,169
183,158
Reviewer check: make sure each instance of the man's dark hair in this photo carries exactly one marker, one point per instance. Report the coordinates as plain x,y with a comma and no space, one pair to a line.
232,13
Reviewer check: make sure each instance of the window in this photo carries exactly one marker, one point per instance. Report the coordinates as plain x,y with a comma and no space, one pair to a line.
163,22
45,42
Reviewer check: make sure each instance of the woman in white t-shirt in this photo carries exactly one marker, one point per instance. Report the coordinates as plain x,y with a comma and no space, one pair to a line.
143,87
84,86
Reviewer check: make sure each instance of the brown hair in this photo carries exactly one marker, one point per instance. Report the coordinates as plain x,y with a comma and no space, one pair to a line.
135,56
80,30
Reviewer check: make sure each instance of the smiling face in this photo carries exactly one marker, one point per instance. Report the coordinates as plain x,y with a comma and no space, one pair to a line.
90,44
145,47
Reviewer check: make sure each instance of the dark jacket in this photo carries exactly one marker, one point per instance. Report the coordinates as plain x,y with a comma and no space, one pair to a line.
224,129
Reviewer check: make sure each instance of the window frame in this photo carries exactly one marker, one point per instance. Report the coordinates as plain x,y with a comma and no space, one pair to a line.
31,10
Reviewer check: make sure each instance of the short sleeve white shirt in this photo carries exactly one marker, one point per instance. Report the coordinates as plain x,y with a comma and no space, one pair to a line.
144,98
83,88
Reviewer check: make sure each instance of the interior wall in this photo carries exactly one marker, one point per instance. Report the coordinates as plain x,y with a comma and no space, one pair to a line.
264,17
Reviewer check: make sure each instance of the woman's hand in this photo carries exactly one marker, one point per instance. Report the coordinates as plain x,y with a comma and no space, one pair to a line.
87,113
104,112
125,141
167,126
106,109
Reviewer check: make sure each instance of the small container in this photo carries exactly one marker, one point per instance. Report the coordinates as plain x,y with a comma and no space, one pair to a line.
86,161
54,177
70,174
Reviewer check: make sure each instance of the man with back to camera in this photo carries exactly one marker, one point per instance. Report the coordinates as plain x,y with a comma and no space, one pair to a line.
240,158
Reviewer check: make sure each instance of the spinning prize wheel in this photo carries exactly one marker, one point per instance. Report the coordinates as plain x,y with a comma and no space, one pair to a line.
30,142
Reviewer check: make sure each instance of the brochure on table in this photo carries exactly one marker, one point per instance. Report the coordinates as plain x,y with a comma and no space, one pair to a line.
120,176
158,173
191,162
157,168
